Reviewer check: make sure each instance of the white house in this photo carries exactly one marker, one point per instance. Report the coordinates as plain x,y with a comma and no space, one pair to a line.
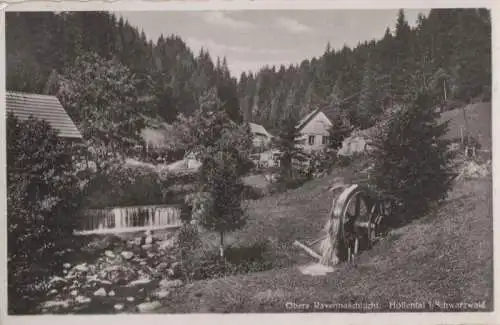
314,131
261,137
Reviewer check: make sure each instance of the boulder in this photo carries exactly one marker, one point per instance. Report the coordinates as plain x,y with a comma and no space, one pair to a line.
109,254
167,244
127,255
100,293
81,267
57,282
130,299
147,307
148,240
139,282
56,303
138,241
66,265
161,293
165,284
111,293
118,306
82,299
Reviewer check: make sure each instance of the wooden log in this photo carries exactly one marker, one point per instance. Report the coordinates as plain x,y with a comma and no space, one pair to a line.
307,249
316,240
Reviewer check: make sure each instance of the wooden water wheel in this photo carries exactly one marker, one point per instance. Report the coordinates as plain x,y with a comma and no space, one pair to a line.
360,214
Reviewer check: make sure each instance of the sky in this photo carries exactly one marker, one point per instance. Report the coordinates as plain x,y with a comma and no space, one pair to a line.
252,39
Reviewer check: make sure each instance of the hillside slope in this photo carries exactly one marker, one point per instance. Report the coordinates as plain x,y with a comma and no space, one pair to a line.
445,257
478,119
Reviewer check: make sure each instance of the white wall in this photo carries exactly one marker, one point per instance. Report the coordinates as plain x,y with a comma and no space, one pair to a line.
260,140
317,127
353,145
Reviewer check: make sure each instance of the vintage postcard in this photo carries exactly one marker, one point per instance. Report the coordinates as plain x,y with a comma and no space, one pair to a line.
259,159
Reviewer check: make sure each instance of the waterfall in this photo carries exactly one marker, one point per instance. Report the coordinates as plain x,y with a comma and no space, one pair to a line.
117,219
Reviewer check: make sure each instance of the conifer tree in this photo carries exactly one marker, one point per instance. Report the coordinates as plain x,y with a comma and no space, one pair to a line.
368,105
412,161
288,143
222,146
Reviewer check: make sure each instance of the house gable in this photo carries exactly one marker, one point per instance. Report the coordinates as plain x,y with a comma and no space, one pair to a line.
314,131
318,124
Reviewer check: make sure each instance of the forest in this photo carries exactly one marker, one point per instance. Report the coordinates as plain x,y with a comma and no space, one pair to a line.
448,51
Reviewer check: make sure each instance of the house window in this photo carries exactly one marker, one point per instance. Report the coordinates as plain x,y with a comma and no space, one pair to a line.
324,140
311,140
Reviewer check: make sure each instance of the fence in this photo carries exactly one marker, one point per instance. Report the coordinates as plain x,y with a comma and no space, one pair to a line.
129,219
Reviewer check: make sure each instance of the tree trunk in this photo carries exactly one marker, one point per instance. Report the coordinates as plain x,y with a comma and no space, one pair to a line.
221,244
444,90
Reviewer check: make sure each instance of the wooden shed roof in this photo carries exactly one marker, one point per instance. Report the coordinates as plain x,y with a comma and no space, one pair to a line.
43,107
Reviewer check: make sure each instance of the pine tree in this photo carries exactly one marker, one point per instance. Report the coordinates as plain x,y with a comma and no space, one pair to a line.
412,161
288,144
338,132
368,105
222,146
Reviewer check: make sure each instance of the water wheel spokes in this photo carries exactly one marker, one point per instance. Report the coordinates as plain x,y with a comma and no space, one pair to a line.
354,222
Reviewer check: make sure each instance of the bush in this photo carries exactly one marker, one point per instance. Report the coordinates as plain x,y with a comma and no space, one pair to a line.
200,265
127,186
412,160
344,161
252,193
42,196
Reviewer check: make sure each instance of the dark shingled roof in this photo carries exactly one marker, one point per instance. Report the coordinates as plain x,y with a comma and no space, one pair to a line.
43,107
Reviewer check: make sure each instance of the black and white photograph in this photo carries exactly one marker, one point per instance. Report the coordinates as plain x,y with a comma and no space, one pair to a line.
248,161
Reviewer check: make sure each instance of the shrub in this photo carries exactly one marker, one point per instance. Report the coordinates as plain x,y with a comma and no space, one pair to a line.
127,186
344,161
412,160
200,264
42,196
252,192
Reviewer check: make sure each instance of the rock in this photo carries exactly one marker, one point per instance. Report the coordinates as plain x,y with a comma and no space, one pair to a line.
138,241
127,255
56,303
109,254
82,299
170,283
53,292
65,272
66,265
118,306
167,244
81,267
74,293
130,299
101,292
106,282
57,280
148,240
111,293
161,294
146,307
176,267
146,246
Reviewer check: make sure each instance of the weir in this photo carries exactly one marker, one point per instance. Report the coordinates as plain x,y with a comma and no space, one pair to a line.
129,219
